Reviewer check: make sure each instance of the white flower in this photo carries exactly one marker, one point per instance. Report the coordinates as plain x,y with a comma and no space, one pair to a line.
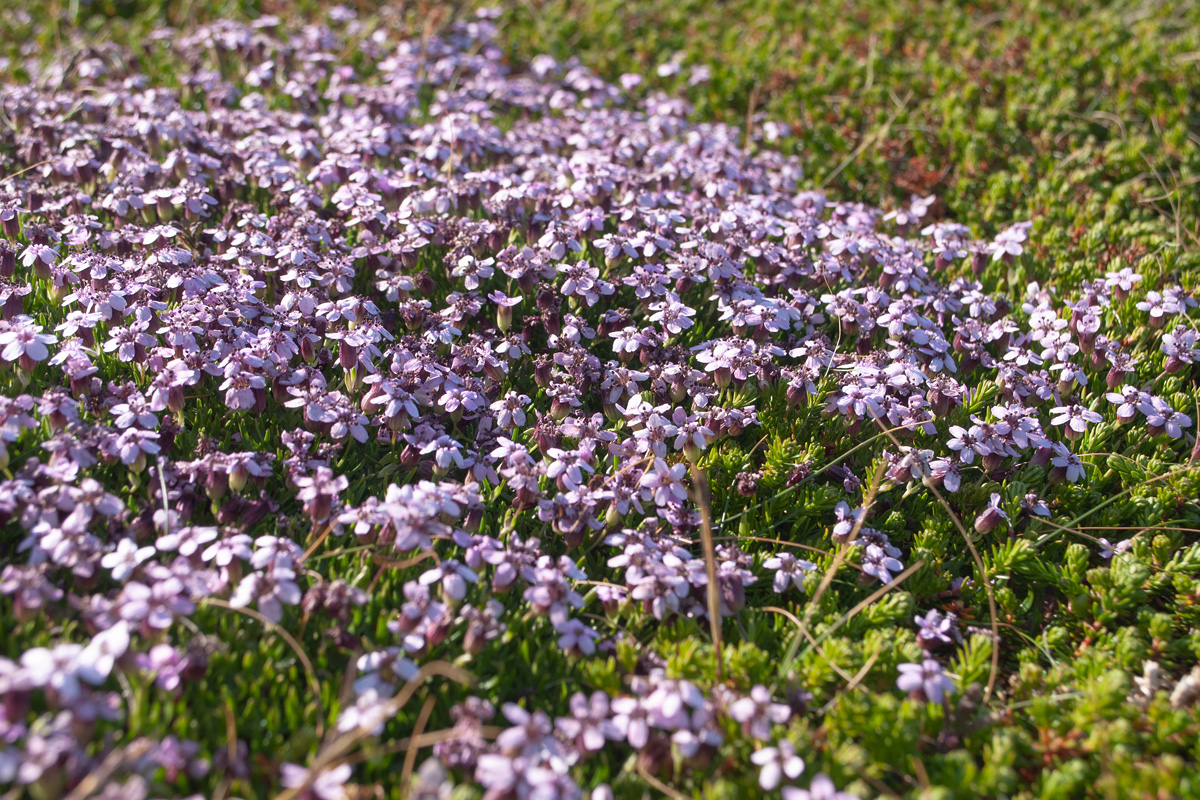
26,339
776,762
125,559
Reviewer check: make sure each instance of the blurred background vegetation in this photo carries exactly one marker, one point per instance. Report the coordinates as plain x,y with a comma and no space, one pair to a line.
1083,117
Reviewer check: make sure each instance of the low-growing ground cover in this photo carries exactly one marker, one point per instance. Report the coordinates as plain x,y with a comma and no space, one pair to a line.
396,403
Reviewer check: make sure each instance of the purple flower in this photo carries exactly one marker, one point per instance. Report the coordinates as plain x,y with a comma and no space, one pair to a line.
320,491
1163,419
1075,417
576,638
758,712
1066,465
167,664
776,763
936,629
789,571
991,516
1109,549
589,726
530,734
1180,349
453,577
125,559
1128,400
880,558
156,605
821,788
270,591
967,443
328,784
25,342
632,720
925,681
664,484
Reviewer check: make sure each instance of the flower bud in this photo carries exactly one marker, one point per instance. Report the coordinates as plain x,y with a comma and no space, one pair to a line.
347,355
367,403
527,282
795,395
319,507
11,223
978,263
8,262
475,638
409,457
436,633
254,512
939,403
308,350
238,477
230,510
547,300
988,520
1087,342
216,483
541,371
1041,457
279,391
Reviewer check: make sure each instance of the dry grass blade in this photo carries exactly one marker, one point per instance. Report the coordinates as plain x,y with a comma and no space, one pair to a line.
863,670
725,520
820,650
1070,526
994,670
871,598
838,558
780,542
112,762
700,484
659,785
410,755
320,538
987,587
424,740
231,739
309,672
868,142
335,752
